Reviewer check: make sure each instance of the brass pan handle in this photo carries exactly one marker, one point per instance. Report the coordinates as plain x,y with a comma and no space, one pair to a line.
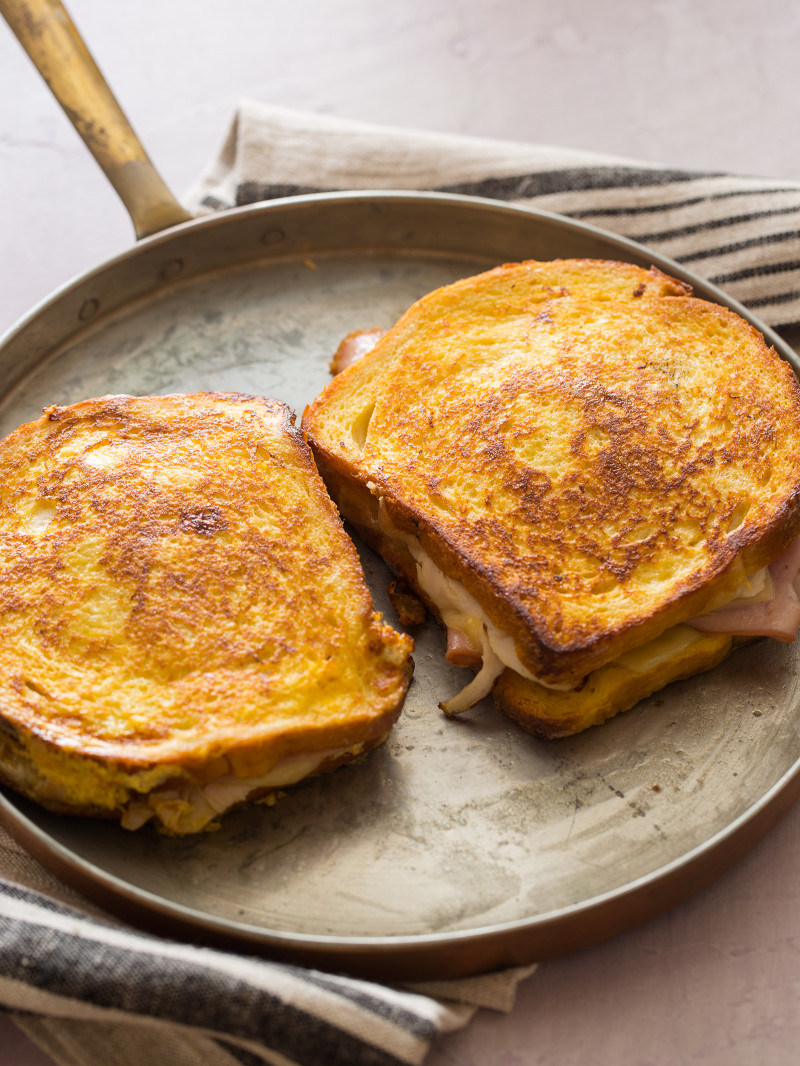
48,35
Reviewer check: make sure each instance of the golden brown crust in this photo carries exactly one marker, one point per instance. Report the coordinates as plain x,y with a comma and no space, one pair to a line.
409,609
178,601
593,453
607,692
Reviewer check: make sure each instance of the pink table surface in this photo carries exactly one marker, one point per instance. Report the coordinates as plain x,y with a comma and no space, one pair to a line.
710,85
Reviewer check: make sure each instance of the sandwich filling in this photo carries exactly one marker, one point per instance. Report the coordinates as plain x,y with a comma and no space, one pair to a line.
476,640
775,612
766,604
179,807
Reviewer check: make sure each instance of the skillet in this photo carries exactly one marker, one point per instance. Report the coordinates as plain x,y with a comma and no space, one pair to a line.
459,847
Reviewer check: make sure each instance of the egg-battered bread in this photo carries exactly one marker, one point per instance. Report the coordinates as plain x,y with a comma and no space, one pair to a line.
566,461
184,624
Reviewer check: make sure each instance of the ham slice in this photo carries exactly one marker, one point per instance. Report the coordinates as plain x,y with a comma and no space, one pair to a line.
354,347
461,651
778,618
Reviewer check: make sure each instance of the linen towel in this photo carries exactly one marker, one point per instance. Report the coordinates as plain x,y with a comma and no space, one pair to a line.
741,233
92,990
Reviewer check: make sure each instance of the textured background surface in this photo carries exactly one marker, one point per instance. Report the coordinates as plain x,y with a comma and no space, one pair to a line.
708,84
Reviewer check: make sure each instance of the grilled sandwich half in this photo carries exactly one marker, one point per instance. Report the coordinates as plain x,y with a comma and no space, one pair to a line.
184,624
591,477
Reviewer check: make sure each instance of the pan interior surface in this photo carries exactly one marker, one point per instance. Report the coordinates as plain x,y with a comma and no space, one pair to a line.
466,825
452,826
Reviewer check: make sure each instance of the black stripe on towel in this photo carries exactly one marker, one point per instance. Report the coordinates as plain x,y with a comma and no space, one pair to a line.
740,246
571,179
253,192
714,224
691,201
83,967
246,1058
516,187
758,271
774,299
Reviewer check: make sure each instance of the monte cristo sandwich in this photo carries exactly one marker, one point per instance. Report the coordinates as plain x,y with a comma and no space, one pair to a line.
589,476
184,624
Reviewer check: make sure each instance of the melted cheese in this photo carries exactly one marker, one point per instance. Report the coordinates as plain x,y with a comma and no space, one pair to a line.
776,615
459,610
183,808
757,588
669,645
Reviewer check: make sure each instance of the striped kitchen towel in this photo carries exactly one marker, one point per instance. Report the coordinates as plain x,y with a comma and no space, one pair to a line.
89,990
742,233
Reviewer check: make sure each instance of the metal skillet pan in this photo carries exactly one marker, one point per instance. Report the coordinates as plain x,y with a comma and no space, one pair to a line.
460,846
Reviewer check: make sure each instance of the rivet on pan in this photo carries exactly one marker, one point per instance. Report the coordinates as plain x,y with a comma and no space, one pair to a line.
89,309
170,269
273,235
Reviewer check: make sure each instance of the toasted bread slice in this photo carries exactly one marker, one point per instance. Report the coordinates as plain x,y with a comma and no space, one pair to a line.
571,456
679,653
184,624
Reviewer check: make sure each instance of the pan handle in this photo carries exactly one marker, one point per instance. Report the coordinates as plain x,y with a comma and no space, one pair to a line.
48,35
